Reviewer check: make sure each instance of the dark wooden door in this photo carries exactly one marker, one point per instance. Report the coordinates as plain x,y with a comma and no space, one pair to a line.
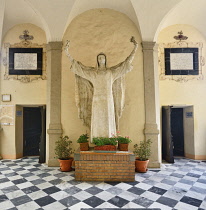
167,143
177,131
32,130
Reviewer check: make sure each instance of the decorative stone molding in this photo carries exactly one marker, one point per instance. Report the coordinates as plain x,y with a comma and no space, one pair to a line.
180,44
24,78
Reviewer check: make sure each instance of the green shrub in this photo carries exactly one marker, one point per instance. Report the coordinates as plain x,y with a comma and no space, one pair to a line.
63,148
123,140
83,138
143,150
100,141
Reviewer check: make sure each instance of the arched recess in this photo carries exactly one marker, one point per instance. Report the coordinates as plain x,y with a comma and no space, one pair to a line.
22,93
187,93
108,31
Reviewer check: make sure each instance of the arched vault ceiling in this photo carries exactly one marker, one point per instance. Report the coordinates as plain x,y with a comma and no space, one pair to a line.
50,15
150,16
187,12
123,6
17,14
55,14
150,13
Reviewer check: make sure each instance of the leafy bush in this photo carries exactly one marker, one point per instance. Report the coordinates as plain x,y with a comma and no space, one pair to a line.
63,148
100,141
143,150
121,139
83,138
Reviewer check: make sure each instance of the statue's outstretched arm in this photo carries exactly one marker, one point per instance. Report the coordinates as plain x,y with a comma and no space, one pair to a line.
131,56
66,49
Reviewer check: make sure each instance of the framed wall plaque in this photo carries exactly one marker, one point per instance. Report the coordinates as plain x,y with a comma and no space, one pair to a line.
25,61
181,61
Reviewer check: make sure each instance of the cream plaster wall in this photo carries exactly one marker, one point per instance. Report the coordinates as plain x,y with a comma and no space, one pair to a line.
108,31
189,93
21,93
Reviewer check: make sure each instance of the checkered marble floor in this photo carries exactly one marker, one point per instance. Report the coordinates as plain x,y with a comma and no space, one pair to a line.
26,184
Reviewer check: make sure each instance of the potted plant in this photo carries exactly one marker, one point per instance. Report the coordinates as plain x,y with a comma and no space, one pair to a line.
123,142
142,152
83,142
105,143
63,152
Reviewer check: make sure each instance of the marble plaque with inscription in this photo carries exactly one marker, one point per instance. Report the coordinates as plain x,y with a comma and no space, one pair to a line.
25,61
181,61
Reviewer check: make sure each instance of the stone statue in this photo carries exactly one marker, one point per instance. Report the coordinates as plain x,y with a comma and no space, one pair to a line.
100,92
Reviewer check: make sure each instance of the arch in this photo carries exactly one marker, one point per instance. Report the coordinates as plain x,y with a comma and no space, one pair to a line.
150,14
109,31
184,13
24,13
123,6
21,27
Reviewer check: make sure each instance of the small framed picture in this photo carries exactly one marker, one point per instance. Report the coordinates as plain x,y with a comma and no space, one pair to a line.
6,97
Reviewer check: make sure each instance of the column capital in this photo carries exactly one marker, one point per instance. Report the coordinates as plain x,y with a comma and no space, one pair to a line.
54,46
149,46
151,128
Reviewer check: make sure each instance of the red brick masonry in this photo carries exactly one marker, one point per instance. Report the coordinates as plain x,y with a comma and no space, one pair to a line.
97,166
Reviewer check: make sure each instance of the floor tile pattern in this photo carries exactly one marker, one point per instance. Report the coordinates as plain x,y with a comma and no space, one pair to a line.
26,184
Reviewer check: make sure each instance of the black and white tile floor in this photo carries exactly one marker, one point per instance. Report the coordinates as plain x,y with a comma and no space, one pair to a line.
27,185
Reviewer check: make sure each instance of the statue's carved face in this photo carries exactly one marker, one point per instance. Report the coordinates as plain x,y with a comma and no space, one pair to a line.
101,59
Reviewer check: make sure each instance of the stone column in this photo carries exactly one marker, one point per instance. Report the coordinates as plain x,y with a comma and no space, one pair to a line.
151,92
54,56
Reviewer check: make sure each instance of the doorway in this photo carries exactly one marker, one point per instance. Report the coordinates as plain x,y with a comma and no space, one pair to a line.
34,132
177,132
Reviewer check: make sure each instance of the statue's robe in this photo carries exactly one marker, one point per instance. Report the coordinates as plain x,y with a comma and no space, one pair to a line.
103,107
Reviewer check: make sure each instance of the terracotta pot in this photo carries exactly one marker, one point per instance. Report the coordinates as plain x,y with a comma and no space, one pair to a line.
84,146
106,148
123,147
141,165
66,165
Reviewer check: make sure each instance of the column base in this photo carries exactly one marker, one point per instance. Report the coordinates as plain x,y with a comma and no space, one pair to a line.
53,163
154,164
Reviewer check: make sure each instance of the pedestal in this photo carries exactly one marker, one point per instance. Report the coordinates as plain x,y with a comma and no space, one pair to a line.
104,166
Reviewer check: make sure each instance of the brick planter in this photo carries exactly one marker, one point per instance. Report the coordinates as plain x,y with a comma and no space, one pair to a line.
96,166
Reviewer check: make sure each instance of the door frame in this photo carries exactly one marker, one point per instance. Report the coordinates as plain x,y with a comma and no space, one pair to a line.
19,127
188,129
